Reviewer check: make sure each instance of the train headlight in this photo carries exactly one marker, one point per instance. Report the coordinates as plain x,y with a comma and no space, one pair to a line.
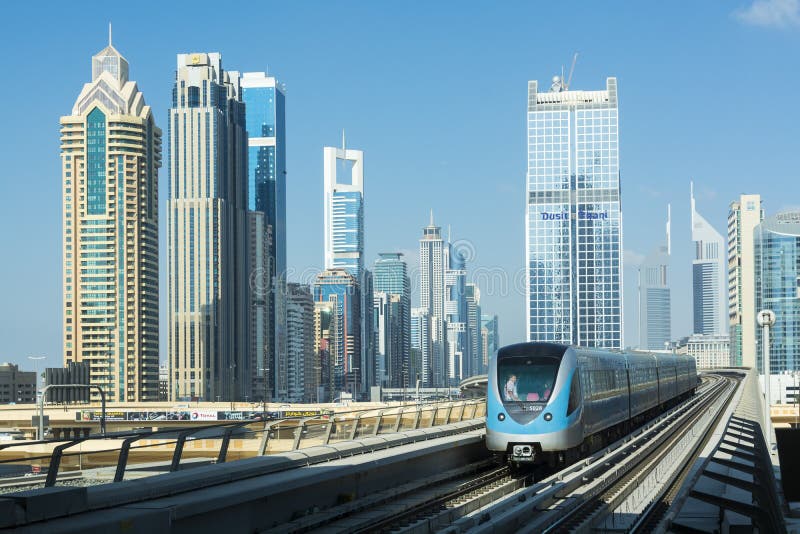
501,416
548,416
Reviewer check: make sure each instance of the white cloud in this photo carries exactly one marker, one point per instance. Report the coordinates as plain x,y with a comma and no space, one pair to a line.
770,13
631,258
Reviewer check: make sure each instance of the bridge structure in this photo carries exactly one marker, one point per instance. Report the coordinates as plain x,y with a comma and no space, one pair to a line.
704,466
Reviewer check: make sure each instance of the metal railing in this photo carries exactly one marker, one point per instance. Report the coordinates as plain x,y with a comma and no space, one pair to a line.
255,437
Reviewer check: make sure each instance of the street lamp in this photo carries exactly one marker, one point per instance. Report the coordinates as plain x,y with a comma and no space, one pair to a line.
317,369
265,370
36,360
766,318
354,375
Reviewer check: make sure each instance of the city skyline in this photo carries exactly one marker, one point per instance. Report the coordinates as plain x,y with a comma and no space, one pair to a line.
18,338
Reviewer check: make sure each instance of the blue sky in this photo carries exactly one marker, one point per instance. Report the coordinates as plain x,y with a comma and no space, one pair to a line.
435,94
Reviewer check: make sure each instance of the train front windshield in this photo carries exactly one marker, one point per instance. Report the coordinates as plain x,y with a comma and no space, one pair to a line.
526,378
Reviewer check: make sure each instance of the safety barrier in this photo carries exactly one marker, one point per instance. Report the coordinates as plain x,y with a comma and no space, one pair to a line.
221,442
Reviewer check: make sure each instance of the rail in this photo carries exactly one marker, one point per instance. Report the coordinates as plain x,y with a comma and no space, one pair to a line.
213,442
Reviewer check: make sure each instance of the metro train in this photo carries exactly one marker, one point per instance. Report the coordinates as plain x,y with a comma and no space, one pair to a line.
553,404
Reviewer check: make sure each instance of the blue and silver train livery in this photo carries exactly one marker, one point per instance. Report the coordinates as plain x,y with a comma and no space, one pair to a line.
549,403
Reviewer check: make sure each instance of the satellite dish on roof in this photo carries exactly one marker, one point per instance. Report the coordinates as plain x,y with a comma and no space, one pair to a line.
556,86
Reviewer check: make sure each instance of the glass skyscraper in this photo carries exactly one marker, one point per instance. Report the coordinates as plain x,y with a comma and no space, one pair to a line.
574,217
777,288
206,234
265,108
392,290
432,292
344,209
655,305
110,155
710,297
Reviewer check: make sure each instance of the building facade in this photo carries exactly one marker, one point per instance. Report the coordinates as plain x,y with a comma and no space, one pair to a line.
390,276
743,217
474,330
265,108
655,304
432,266
340,288
573,217
17,387
491,338
710,300
300,342
326,332
209,327
420,325
455,313
710,351
110,155
777,288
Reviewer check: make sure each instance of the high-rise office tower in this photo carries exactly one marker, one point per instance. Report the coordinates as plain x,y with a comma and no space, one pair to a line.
343,171
300,342
655,316
432,267
209,327
491,338
344,209
710,299
777,288
473,298
110,155
265,108
743,217
420,325
458,355
390,276
574,217
340,288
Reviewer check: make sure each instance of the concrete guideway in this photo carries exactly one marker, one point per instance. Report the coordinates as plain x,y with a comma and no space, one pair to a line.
250,494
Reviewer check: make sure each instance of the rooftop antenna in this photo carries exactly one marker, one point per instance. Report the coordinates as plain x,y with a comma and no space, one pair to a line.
431,216
448,234
109,33
343,143
571,71
669,222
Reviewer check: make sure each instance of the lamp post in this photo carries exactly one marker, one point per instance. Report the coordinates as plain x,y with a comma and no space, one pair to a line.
766,318
317,369
36,360
354,375
264,370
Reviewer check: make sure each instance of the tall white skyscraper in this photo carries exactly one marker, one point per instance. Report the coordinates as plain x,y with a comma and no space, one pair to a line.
432,266
573,232
655,317
207,233
110,155
344,209
710,292
743,217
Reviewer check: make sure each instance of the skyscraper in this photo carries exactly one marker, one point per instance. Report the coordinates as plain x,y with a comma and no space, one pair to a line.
710,300
394,346
110,155
343,171
432,266
491,338
574,217
339,287
743,217
300,342
655,312
344,209
474,331
326,330
458,355
419,336
777,288
265,108
208,305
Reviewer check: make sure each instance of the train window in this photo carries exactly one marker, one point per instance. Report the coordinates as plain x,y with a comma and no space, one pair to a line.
527,379
574,394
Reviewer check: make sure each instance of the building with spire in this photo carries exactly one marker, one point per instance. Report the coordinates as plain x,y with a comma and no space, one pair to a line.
743,217
208,302
655,305
573,233
710,298
432,266
110,155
